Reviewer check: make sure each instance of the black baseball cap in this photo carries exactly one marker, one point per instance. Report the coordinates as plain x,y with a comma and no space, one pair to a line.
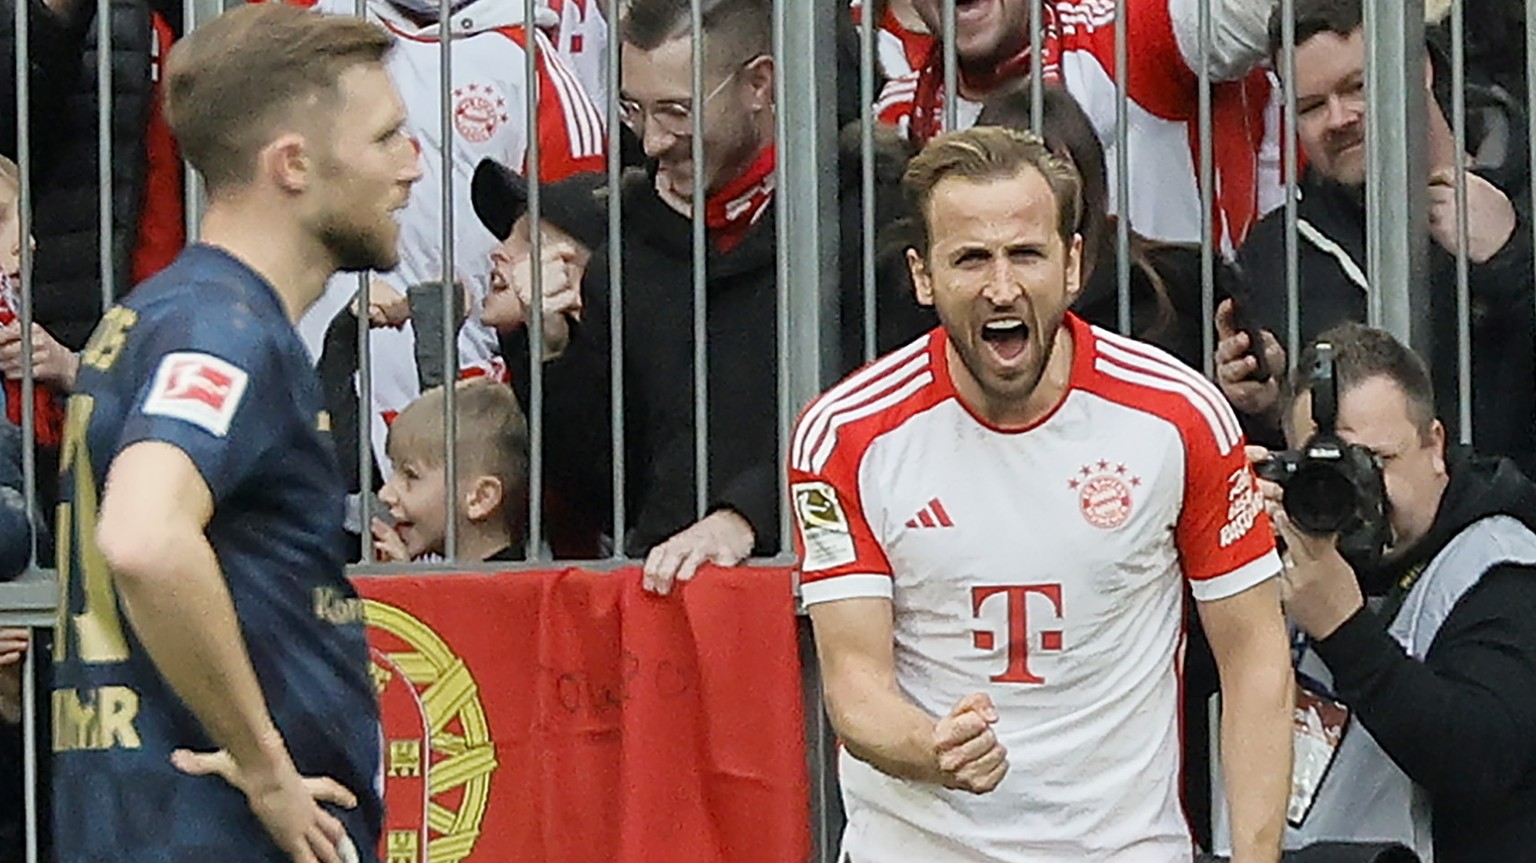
577,205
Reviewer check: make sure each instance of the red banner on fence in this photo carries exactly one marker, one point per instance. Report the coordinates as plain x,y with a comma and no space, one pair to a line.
567,717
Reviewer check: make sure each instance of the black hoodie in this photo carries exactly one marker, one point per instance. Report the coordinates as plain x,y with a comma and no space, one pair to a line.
1462,723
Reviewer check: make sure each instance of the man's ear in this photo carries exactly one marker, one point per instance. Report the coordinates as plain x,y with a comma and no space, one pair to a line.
286,161
1437,443
759,76
1074,268
482,498
922,285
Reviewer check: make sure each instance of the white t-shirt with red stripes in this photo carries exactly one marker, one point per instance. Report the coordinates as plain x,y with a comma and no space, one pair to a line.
1045,567
489,96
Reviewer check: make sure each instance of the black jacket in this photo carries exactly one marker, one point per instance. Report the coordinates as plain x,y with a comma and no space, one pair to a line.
67,280
1503,313
1462,723
658,368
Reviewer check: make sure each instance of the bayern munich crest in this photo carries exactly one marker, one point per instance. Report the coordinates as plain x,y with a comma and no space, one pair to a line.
1104,493
478,111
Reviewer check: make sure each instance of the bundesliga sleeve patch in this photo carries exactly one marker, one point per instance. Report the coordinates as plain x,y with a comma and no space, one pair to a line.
823,526
199,388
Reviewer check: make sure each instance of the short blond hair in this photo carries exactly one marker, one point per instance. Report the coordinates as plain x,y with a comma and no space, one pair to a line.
991,153
233,82
491,439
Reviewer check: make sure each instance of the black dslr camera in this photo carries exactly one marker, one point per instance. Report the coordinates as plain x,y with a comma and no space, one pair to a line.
1333,487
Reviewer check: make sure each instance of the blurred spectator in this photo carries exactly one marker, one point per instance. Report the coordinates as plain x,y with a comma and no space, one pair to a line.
1165,277
1331,117
15,524
902,39
489,92
738,182
490,496
992,45
1495,43
1438,676
147,219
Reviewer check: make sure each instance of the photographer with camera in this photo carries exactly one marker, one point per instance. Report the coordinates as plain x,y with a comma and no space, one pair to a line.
1410,573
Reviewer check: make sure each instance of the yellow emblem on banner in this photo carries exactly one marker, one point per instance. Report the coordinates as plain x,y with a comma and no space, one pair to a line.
437,749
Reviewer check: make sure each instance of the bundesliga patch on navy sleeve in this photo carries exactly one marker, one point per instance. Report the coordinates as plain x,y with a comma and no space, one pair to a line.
198,388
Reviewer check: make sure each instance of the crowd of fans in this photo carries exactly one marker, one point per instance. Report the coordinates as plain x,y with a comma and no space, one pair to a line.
485,292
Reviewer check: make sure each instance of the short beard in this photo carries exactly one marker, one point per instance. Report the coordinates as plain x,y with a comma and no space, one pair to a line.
356,250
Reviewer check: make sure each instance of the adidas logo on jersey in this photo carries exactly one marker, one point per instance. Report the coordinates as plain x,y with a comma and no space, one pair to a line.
932,515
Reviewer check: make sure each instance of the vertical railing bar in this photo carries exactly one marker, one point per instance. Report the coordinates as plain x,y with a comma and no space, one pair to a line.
104,151
1291,164
1037,67
1207,199
1122,170
951,68
192,194
24,290
700,318
1463,289
787,408
867,178
365,395
449,335
29,726
616,281
1530,115
536,312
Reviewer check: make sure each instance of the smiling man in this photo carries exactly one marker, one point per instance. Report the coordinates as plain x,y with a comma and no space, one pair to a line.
996,524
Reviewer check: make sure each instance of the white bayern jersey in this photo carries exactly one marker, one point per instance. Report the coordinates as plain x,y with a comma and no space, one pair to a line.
1045,567
1163,92
581,36
489,93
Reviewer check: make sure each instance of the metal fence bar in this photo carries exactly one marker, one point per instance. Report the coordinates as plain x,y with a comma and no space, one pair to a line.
1530,115
29,468
867,97
104,152
1207,200
805,206
1395,212
951,67
449,334
1122,169
535,543
1290,166
364,396
1463,289
700,273
616,279
1037,67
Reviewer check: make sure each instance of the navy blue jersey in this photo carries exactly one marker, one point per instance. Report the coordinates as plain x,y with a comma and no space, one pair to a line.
203,357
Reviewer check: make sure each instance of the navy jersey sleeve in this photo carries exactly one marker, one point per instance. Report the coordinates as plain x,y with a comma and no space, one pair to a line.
211,387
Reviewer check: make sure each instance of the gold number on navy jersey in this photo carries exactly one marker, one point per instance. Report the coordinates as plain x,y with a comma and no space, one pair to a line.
96,632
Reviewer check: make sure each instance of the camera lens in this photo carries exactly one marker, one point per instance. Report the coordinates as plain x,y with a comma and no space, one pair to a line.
1320,499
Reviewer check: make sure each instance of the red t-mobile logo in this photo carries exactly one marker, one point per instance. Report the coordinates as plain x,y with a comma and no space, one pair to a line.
1018,627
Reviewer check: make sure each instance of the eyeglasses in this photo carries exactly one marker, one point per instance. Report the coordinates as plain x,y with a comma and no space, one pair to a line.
673,118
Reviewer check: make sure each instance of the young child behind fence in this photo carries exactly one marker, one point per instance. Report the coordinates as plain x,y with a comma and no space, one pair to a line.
492,466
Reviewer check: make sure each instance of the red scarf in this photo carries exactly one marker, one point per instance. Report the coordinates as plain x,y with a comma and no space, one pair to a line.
732,210
162,229
928,105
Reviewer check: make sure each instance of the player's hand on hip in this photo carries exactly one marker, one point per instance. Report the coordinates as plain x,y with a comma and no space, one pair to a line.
287,804
969,755
723,537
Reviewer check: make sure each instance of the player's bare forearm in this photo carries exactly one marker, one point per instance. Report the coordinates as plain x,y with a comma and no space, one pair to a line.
174,596
1247,636
875,722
